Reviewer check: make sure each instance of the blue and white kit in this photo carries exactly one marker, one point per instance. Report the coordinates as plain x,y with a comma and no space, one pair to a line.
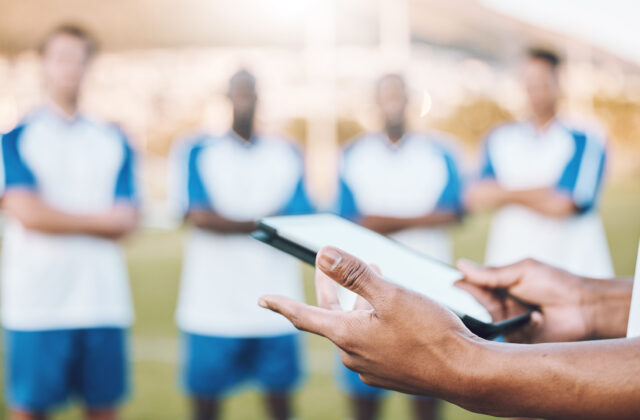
572,162
66,302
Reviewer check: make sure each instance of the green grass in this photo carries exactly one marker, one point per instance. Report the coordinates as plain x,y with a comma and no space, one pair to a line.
154,259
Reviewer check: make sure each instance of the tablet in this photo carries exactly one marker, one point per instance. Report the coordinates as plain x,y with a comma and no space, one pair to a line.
303,236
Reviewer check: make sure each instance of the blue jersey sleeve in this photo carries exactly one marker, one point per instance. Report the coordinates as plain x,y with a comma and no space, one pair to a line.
345,204
299,202
196,191
451,198
126,185
16,172
487,170
582,177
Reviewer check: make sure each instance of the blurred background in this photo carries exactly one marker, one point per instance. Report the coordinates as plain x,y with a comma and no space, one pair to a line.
163,70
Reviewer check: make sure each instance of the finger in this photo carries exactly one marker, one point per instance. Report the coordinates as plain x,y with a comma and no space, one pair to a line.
537,328
304,317
387,383
491,277
528,333
515,307
353,274
348,359
326,291
486,298
362,304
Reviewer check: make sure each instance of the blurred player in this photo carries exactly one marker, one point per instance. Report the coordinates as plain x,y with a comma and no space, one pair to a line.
227,183
544,177
69,195
405,185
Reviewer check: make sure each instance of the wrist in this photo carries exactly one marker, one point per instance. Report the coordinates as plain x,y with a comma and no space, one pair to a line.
472,370
605,305
511,197
482,376
497,379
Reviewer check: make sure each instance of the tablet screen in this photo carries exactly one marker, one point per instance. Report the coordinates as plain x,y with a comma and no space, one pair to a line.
398,263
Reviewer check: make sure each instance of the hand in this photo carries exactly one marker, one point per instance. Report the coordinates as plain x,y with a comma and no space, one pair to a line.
484,195
562,308
394,338
119,221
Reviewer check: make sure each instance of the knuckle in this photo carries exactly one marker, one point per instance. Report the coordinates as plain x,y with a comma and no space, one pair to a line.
341,335
367,380
353,274
347,343
349,362
295,319
346,335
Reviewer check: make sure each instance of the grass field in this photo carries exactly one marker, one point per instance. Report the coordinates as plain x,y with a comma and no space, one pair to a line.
154,259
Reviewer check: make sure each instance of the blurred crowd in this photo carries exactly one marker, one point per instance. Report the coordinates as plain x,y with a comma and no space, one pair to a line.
70,190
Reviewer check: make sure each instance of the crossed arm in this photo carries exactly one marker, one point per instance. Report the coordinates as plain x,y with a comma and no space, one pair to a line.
387,225
490,194
35,214
401,340
210,220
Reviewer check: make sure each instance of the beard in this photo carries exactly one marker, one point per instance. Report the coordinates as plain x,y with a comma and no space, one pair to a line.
395,129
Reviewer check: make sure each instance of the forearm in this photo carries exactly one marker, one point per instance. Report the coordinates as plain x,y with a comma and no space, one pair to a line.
386,225
60,223
589,380
489,194
542,200
34,214
57,222
210,220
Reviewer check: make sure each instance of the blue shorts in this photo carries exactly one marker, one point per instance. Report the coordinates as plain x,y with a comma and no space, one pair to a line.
213,365
44,369
350,383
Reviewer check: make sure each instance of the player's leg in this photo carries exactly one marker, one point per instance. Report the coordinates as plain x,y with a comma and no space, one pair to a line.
203,408
426,408
212,366
36,371
101,371
364,400
15,414
365,408
278,405
278,370
98,414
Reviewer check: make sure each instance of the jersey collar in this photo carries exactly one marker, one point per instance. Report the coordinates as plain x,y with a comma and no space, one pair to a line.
544,131
51,110
252,141
397,145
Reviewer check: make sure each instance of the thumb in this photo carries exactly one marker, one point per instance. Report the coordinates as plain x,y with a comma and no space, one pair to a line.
353,274
490,277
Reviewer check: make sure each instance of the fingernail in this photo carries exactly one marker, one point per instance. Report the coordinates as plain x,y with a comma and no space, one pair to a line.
329,259
262,302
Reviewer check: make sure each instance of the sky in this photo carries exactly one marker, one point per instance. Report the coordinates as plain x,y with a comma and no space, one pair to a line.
611,24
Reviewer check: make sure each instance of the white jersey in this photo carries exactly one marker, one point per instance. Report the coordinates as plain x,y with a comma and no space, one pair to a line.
65,281
223,275
633,329
570,161
413,177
